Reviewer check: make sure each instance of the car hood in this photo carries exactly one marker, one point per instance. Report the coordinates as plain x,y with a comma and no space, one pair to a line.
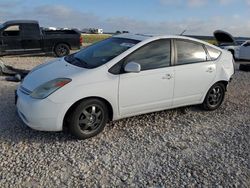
43,73
224,38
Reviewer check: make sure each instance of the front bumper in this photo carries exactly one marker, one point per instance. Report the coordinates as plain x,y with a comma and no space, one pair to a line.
42,115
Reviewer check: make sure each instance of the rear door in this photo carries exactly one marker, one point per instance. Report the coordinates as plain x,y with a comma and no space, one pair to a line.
11,39
152,88
194,72
31,37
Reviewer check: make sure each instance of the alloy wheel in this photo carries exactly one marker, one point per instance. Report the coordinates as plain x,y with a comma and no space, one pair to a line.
215,96
90,119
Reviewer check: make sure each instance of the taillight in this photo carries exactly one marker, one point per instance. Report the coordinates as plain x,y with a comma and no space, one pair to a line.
81,40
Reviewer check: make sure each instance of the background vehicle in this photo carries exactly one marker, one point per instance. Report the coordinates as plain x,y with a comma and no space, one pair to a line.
240,49
123,76
26,37
243,51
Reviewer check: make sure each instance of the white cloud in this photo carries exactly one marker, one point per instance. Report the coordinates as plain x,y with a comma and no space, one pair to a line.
200,3
62,16
225,2
196,3
191,3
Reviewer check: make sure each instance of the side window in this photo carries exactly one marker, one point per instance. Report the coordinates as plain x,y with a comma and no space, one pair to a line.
13,30
189,52
213,53
30,29
154,55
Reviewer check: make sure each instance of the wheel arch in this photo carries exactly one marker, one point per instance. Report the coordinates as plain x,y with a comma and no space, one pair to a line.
232,52
72,107
224,82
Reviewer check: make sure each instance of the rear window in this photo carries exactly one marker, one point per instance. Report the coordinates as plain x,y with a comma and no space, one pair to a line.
190,52
213,53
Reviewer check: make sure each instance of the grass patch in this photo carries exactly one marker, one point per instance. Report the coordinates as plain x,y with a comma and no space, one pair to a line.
92,38
214,42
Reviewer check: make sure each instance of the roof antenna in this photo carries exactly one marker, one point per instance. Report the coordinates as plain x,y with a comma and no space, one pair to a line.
184,31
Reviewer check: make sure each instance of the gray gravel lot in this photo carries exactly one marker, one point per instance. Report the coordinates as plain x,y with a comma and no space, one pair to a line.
174,148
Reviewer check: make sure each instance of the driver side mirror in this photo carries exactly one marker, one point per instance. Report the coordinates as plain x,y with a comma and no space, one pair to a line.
132,67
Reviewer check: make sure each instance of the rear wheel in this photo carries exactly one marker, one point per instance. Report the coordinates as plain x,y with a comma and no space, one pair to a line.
214,97
61,50
88,118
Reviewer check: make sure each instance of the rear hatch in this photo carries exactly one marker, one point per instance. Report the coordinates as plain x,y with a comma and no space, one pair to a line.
224,38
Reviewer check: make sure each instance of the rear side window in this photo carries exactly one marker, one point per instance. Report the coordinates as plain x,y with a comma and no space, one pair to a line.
31,29
13,30
190,52
213,53
154,55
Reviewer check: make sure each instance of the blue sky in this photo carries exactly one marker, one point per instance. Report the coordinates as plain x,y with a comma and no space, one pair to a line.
144,16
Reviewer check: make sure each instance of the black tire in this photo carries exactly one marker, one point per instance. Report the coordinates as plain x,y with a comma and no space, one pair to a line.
61,50
244,67
215,97
1,71
93,114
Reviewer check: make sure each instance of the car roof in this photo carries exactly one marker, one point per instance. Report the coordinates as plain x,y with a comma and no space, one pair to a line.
21,22
140,37
144,37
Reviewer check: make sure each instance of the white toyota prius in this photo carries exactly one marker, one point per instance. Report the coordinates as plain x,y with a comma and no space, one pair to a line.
123,76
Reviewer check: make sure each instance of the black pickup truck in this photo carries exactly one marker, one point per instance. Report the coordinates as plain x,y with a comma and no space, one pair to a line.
26,37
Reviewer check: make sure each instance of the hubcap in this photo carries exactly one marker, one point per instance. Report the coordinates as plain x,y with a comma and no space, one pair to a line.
61,50
90,119
215,96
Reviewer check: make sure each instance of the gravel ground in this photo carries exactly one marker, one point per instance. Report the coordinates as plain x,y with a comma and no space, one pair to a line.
174,148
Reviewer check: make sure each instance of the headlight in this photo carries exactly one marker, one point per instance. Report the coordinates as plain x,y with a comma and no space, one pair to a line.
48,88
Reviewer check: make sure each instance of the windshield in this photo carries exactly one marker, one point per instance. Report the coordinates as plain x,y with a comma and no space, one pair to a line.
1,26
101,52
240,42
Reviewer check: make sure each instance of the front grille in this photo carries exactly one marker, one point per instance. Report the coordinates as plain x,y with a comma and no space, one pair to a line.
25,91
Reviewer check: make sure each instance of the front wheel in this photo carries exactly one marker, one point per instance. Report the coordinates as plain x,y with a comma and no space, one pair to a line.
214,97
61,50
88,118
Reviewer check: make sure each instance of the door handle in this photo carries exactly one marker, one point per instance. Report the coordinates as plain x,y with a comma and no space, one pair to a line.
167,77
210,70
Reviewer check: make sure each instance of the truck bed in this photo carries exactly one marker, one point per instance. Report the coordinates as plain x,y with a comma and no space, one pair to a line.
58,32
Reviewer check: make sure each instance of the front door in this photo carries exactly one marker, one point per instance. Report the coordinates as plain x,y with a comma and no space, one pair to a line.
152,88
31,37
11,39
